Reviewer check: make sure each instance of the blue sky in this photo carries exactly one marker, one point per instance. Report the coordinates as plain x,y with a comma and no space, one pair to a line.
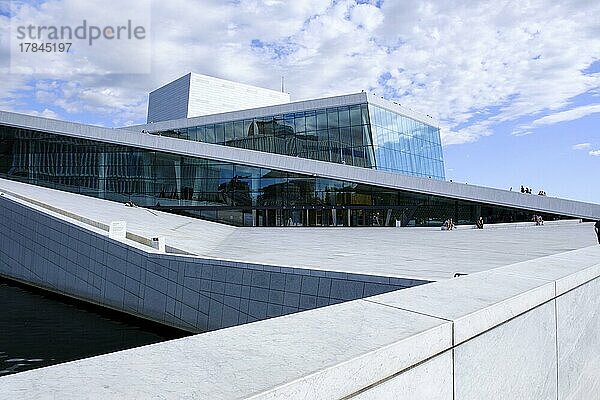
515,85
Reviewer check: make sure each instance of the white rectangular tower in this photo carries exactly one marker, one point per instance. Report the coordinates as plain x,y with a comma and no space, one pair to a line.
194,95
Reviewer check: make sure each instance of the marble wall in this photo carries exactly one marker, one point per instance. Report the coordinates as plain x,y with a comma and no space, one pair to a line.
549,352
190,293
515,360
578,328
525,331
431,380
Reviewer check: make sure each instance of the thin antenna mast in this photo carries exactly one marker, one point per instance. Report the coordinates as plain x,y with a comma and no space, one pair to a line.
282,84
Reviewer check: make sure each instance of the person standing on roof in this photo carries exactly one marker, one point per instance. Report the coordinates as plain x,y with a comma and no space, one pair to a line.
479,223
597,228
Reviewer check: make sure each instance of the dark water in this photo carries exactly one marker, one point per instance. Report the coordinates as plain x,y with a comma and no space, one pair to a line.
38,329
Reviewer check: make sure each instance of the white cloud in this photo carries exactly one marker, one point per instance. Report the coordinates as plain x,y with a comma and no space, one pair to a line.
582,146
465,135
568,115
471,64
562,116
595,153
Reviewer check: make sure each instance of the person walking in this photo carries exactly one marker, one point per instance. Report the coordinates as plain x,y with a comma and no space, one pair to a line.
597,229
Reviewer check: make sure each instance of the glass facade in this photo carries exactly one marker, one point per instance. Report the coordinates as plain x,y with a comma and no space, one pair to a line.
360,135
339,134
405,145
225,192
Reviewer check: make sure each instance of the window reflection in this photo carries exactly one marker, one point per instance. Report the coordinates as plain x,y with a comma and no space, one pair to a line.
405,145
339,135
334,134
231,193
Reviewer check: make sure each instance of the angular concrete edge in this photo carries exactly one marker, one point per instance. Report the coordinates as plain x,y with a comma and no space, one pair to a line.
487,300
88,225
133,240
324,353
478,322
54,252
369,369
330,352
568,270
474,303
479,302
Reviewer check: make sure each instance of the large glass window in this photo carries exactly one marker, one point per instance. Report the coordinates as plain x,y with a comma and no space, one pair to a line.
338,134
405,145
219,190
